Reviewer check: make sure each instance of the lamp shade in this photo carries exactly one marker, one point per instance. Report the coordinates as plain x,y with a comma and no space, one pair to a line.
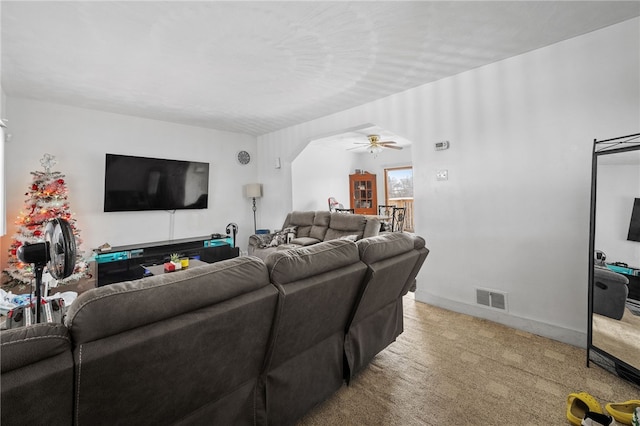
253,190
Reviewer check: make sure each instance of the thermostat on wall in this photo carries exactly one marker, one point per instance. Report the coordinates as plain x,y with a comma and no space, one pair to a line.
440,146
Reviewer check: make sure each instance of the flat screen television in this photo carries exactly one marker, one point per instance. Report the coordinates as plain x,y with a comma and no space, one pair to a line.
634,226
140,183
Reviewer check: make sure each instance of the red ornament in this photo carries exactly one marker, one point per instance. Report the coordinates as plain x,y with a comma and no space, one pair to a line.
13,252
61,181
37,232
34,187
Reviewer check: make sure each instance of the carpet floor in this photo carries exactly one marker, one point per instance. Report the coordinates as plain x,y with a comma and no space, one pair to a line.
453,369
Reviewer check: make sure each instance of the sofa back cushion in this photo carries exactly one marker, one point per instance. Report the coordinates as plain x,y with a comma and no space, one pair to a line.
111,309
419,245
377,319
142,344
319,284
37,375
342,225
372,228
384,246
287,266
320,225
391,259
303,220
323,225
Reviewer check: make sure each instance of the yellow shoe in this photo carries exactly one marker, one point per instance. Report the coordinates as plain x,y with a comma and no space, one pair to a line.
623,411
578,404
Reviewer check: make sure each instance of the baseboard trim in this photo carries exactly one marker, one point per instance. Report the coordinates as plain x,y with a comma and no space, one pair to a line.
565,335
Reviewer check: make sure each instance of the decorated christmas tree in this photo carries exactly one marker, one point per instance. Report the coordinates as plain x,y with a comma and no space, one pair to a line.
46,200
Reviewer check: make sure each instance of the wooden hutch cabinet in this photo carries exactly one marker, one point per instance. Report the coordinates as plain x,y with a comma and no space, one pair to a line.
363,193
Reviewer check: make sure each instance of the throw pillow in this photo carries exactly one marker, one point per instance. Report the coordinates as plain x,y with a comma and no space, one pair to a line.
278,238
283,237
264,240
290,232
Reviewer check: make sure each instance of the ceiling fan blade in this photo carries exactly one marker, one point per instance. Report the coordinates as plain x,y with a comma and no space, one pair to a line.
387,142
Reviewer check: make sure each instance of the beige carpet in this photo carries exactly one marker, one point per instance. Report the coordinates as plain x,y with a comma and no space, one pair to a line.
453,369
618,337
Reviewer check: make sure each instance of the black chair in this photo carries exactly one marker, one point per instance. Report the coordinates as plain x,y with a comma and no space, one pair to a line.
397,219
386,211
346,211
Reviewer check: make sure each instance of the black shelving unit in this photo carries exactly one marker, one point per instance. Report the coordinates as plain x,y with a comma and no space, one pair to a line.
124,263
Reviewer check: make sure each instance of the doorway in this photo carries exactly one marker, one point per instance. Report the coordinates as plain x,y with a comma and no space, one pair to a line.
398,191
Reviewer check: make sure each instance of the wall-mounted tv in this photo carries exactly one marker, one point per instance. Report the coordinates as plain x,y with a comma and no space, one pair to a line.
141,183
634,226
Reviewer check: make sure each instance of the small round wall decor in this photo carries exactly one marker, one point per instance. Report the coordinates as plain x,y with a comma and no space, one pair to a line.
244,157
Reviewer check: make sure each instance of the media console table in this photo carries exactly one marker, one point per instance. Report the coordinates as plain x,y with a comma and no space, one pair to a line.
124,263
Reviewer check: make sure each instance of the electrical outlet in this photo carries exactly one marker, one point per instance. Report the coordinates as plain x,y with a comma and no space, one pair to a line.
442,175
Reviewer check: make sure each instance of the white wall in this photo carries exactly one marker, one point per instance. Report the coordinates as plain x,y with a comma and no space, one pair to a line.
618,185
514,214
317,174
3,213
79,139
4,134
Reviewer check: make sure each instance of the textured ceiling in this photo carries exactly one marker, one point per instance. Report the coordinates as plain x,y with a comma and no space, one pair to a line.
255,67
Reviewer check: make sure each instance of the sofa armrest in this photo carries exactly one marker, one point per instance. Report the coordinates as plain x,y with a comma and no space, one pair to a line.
255,239
261,240
31,344
258,241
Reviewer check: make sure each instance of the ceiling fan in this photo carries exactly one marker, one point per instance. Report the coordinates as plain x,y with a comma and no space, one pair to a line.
374,145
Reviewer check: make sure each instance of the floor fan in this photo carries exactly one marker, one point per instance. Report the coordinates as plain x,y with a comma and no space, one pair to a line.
57,253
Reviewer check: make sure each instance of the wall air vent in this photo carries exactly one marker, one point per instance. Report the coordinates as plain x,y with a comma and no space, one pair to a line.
491,298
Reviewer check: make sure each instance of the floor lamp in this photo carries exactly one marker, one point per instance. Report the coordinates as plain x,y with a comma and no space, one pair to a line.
253,191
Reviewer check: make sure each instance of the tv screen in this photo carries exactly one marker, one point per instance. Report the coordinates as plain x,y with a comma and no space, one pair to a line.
634,226
141,183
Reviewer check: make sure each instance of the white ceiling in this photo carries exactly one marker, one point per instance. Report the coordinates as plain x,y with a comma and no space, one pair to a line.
256,67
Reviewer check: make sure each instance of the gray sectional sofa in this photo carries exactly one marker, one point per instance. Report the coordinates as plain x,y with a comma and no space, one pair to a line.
242,341
305,228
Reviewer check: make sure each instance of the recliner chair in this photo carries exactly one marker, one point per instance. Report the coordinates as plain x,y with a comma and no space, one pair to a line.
610,292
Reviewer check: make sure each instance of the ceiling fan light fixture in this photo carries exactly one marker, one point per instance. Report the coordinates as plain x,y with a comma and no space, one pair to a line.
375,149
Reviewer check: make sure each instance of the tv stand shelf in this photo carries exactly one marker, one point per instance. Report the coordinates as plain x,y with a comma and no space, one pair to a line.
124,263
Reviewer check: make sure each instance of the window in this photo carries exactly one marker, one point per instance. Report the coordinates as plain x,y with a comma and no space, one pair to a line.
399,183
398,191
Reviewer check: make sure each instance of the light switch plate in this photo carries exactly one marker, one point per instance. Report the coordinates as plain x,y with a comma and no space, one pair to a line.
441,146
